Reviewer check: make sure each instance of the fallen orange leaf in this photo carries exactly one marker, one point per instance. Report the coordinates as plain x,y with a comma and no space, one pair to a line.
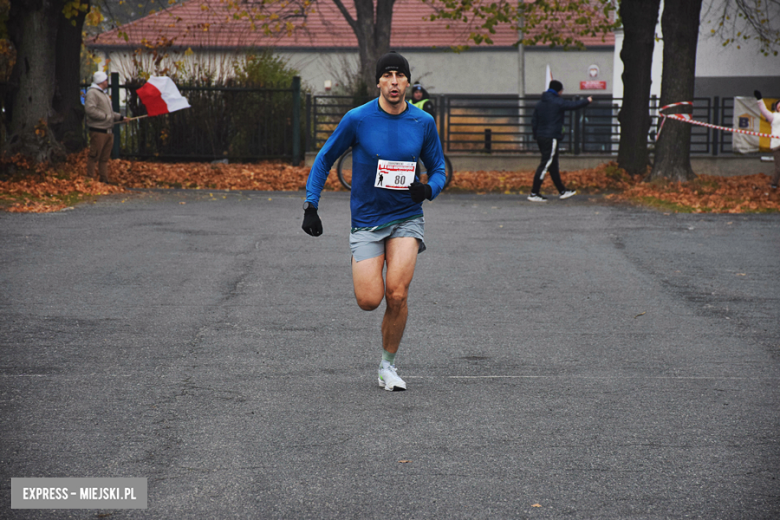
704,194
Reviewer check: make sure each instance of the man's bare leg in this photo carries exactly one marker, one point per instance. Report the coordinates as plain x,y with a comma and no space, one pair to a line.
401,259
368,282
370,288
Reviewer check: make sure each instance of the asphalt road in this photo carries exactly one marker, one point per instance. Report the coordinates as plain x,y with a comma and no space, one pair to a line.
573,359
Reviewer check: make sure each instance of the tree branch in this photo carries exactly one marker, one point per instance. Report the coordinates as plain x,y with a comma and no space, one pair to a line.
741,20
348,17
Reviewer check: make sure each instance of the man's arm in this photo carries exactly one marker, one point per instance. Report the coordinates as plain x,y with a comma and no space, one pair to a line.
432,157
338,143
341,139
762,107
574,104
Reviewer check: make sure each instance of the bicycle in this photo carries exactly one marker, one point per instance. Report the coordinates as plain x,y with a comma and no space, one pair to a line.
344,170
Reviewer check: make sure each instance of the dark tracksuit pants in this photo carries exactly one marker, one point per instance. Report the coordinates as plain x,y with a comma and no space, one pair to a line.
776,178
549,148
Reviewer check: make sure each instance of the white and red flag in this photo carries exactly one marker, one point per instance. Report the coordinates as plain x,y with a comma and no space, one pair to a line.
160,96
547,78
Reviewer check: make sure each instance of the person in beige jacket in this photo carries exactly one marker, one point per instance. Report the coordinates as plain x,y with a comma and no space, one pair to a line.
100,123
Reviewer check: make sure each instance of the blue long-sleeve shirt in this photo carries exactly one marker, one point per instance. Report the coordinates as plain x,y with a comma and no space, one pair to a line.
374,134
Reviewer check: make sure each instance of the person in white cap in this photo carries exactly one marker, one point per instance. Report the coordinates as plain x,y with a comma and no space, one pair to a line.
100,123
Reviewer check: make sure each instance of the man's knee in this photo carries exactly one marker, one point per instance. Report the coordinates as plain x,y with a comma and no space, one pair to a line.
368,303
396,296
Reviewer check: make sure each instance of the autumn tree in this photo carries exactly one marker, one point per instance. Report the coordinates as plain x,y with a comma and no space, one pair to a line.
371,25
32,27
680,26
41,94
554,22
67,124
7,62
737,22
639,19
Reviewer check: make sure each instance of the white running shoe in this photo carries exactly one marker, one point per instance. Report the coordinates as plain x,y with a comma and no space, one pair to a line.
389,380
568,193
537,198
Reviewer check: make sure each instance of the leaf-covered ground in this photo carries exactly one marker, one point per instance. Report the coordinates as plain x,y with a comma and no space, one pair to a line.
27,188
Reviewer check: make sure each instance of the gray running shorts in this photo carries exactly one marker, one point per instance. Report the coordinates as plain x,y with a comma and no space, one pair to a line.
370,244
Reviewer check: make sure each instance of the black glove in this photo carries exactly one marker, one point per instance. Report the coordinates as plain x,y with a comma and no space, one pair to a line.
420,191
311,222
757,94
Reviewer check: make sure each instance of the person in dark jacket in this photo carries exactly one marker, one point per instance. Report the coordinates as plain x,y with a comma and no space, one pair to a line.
422,100
547,126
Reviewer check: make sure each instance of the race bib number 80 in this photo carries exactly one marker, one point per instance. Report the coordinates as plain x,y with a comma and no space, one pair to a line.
394,175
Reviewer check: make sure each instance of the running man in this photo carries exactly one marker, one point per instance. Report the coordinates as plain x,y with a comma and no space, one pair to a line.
547,127
387,136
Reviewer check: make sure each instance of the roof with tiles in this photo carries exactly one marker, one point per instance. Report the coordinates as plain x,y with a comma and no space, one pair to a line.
210,24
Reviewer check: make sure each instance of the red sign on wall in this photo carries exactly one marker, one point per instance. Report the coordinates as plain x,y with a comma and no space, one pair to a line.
593,85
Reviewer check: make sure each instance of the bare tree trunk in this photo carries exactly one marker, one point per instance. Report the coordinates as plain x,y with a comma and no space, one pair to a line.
382,30
680,24
373,35
639,20
33,24
69,112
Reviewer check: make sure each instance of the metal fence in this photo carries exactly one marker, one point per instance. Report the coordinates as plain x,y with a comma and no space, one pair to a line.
233,123
247,124
488,124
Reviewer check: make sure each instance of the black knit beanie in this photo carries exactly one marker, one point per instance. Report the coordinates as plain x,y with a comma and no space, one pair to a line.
392,61
556,85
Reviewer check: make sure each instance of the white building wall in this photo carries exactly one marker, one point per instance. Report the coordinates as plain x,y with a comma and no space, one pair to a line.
568,67
656,73
714,60
476,71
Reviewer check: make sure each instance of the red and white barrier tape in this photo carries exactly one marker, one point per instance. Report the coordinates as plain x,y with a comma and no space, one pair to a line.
687,118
